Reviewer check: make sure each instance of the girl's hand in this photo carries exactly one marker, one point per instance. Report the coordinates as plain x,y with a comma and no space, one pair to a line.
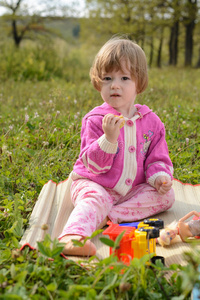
111,127
163,184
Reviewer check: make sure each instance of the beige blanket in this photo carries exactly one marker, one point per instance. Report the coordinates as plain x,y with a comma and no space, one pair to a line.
53,208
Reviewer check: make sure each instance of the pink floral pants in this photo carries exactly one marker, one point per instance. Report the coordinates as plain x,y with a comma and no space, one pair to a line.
93,203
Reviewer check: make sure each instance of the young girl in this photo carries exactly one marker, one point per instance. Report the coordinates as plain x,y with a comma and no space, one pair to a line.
123,173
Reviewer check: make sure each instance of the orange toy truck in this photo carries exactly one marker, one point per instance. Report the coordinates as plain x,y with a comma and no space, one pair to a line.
139,238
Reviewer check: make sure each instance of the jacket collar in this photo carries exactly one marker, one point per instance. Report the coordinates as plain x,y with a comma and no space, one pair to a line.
105,108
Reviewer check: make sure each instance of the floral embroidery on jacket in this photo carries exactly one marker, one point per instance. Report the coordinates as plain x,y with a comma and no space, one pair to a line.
147,142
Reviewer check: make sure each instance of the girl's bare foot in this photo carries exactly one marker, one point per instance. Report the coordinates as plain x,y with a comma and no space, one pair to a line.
88,249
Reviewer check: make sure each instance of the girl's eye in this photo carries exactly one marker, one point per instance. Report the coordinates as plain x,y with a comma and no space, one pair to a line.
106,78
125,78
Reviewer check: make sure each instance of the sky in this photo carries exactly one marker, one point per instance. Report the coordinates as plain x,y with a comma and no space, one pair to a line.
38,5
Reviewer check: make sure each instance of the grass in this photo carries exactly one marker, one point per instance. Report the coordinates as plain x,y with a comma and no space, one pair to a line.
40,124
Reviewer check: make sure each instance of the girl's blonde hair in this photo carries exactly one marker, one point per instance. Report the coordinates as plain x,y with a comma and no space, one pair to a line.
110,58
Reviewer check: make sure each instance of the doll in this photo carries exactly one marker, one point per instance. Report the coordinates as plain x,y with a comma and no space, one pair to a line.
183,229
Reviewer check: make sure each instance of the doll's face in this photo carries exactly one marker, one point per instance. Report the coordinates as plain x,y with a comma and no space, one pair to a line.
167,236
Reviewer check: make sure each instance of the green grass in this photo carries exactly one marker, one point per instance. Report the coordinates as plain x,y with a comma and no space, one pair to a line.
40,124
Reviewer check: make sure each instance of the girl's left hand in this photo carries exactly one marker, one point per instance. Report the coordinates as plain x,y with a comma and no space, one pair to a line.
163,184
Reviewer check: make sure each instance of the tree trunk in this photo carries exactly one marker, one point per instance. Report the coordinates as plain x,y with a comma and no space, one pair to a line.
173,44
198,62
189,30
17,38
189,43
160,50
151,52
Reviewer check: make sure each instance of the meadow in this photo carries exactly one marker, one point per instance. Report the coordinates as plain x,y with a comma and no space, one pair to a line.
40,122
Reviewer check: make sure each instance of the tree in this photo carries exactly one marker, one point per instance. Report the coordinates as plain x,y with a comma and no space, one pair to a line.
117,16
146,22
25,19
174,5
189,20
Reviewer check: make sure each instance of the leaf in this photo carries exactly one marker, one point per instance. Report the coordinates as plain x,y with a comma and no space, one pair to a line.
77,243
56,252
107,242
44,250
15,242
30,126
118,239
21,277
95,233
51,287
30,152
12,271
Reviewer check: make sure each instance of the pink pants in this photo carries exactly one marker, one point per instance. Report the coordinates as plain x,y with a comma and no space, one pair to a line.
93,203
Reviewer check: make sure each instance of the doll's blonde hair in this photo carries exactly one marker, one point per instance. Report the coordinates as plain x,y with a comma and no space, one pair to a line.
110,58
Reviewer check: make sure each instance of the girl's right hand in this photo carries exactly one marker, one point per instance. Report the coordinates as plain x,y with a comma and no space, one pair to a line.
111,127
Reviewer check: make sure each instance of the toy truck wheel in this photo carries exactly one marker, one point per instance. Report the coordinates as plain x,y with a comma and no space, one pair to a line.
155,223
152,232
158,258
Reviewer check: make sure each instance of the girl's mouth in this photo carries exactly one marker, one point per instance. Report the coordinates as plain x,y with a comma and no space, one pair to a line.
115,95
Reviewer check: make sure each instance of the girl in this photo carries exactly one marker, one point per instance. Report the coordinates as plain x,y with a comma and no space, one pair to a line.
122,174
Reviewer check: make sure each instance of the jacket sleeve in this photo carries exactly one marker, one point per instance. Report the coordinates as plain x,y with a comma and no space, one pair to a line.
158,161
97,153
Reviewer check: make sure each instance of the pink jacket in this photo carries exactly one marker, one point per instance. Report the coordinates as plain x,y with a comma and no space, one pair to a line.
139,156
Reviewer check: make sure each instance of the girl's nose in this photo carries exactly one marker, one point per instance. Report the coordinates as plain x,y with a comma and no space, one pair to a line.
115,84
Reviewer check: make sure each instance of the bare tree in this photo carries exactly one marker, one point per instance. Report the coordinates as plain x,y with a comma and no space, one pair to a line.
24,19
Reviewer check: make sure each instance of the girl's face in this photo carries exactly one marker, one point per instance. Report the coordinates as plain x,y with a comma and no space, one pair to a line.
118,89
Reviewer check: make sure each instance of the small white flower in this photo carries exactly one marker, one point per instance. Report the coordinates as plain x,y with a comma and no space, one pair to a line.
4,147
75,101
36,115
55,129
183,122
187,140
45,143
11,127
26,118
50,101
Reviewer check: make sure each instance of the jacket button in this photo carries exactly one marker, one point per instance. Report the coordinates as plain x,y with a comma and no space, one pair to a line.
131,149
129,123
128,181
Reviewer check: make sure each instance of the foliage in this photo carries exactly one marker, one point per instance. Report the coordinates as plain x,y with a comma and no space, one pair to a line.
28,274
42,61
157,26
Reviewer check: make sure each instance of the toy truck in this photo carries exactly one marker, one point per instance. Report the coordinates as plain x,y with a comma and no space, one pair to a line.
139,238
